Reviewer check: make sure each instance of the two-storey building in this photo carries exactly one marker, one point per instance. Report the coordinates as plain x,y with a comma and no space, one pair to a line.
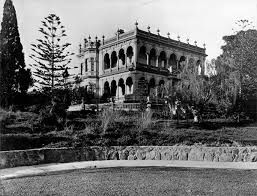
118,66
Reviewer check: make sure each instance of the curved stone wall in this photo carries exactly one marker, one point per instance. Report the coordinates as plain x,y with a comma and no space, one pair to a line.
190,153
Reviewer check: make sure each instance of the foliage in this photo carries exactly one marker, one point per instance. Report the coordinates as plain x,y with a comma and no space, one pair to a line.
121,129
237,68
194,90
145,121
49,54
108,117
13,75
85,94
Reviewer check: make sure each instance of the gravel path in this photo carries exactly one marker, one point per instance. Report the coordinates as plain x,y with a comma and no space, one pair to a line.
136,181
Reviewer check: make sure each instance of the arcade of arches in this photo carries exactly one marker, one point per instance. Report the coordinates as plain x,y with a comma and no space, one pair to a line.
163,60
172,62
125,86
118,88
118,58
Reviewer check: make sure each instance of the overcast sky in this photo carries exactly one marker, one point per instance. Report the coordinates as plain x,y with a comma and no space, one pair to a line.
205,21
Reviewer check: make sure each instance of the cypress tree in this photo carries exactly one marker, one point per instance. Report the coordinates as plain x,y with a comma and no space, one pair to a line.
12,66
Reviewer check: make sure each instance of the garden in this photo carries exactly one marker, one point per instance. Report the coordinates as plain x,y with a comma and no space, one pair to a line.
44,128
224,102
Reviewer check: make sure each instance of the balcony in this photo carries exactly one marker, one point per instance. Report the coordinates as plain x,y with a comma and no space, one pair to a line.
152,69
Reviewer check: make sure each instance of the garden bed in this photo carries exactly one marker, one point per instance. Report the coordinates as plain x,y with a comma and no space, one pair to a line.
26,130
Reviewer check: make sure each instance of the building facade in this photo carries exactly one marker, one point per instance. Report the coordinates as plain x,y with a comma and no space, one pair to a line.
121,65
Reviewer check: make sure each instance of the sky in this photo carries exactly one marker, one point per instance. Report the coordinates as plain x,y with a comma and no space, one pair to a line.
205,21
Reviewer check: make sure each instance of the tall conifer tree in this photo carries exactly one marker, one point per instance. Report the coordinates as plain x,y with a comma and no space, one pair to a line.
12,67
49,54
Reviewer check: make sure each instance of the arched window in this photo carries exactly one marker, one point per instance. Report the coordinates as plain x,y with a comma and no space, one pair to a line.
182,62
122,85
81,68
152,57
129,85
199,67
173,62
130,53
106,61
122,56
161,82
162,62
151,86
129,81
92,64
114,59
86,66
113,88
106,89
142,58
161,89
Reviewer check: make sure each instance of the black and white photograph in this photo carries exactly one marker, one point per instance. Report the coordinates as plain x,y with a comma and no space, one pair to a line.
121,98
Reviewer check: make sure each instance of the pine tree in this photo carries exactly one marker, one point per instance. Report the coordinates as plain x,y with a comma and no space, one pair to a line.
12,66
49,54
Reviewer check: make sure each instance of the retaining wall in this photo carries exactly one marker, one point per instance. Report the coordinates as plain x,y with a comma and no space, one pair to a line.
64,155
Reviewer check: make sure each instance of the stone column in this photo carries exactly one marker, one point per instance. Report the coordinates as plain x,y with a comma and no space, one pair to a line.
157,61
135,53
134,84
126,63
131,89
118,61
110,63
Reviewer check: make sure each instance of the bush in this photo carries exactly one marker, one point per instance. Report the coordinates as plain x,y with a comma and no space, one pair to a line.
145,120
27,141
125,140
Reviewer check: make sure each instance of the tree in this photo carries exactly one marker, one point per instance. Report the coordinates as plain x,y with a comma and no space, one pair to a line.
13,75
237,66
49,54
194,90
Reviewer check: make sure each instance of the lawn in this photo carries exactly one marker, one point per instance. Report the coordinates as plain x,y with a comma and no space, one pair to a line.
136,181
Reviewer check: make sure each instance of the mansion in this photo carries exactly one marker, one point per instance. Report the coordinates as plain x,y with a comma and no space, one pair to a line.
123,66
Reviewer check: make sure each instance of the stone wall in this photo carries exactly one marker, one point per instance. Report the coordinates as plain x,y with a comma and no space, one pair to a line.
64,155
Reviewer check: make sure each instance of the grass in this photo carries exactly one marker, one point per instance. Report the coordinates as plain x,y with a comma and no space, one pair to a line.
116,128
136,181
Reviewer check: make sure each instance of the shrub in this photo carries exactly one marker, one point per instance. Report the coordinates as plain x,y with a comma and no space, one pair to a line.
108,118
27,141
145,120
125,140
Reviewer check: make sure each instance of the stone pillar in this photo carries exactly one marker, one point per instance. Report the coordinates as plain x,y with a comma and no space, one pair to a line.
135,53
131,89
126,63
118,62
110,63
117,90
126,89
120,92
157,61
135,84
147,59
